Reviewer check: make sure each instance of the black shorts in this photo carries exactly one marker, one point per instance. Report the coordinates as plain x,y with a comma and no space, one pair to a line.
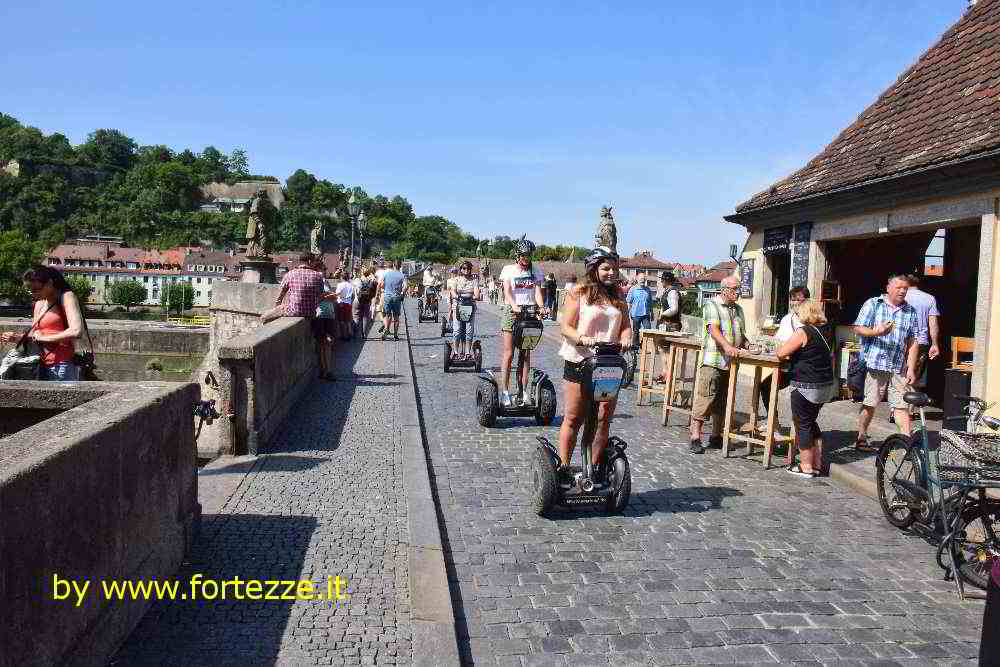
804,414
574,372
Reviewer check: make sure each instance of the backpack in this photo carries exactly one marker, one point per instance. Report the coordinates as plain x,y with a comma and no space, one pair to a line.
367,290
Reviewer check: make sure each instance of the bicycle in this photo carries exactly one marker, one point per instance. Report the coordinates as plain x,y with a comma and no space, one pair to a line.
942,489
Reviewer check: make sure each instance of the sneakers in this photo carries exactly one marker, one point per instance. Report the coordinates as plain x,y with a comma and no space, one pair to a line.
797,470
696,447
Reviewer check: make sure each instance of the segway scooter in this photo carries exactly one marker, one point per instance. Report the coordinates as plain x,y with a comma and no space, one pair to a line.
541,403
427,306
464,311
611,487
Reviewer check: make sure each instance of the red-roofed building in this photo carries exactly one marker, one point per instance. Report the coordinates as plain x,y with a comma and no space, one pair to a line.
915,177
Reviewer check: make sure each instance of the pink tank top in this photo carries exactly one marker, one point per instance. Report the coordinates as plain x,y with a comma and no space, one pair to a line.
601,322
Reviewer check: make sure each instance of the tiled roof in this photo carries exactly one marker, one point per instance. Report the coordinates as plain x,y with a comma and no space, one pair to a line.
644,261
717,272
944,107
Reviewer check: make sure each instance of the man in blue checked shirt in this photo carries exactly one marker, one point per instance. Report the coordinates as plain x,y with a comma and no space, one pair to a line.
888,327
640,308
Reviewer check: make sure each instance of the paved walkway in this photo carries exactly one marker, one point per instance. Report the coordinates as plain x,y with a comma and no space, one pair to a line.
326,500
715,561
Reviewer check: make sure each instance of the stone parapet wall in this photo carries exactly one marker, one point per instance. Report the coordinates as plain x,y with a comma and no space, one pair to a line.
260,370
106,489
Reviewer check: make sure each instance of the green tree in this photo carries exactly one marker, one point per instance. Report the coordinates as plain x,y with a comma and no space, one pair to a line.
238,163
689,304
17,254
177,297
109,147
299,187
81,288
126,293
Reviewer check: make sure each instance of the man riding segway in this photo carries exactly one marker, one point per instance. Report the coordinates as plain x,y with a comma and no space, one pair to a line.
596,329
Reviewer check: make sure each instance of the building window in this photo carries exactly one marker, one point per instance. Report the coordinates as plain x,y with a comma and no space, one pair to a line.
198,280
780,264
934,255
145,279
198,293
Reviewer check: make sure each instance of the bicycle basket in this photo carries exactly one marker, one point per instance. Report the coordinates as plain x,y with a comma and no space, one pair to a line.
969,458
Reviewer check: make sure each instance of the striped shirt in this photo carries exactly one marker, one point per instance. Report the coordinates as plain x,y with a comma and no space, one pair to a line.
732,325
887,352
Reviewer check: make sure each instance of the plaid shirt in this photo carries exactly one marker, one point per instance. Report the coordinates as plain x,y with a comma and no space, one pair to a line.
305,289
887,352
729,319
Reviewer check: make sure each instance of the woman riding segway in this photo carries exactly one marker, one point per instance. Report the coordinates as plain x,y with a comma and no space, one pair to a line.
595,312
463,286
522,286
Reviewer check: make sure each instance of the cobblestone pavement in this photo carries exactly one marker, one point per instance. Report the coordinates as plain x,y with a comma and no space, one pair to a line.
326,500
715,561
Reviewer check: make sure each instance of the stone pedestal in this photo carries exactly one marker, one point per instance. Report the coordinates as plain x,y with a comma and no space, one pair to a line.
263,270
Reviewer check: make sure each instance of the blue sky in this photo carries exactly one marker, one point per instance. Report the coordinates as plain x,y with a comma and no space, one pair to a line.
507,118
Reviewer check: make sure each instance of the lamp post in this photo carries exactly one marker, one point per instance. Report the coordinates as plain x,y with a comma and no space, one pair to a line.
353,210
362,226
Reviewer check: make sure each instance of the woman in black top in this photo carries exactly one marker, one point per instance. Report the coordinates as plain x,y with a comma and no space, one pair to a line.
811,355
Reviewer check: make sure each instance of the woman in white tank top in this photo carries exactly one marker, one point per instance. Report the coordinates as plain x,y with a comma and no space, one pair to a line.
594,312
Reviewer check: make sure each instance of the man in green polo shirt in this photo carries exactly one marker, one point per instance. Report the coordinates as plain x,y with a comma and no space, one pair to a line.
724,335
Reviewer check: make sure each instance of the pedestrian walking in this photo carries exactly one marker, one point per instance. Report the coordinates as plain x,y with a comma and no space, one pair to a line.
929,326
326,320
367,288
549,290
722,338
810,353
391,288
345,302
888,327
640,309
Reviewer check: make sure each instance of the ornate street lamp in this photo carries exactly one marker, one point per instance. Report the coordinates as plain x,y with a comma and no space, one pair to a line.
353,210
362,226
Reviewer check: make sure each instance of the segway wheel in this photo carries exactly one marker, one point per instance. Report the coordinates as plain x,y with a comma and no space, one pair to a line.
546,404
447,356
486,404
544,485
621,481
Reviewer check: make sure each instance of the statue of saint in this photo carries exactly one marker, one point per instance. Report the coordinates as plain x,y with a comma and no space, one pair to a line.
314,242
607,235
261,216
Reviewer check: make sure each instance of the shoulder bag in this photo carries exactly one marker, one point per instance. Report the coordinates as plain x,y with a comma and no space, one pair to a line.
24,360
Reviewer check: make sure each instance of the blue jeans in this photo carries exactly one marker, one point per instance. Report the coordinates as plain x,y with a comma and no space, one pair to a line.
464,330
67,371
639,323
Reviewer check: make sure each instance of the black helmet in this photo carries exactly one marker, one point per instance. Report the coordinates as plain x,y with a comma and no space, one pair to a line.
523,247
598,255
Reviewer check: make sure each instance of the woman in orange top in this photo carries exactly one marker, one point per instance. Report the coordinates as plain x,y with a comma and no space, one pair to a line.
56,323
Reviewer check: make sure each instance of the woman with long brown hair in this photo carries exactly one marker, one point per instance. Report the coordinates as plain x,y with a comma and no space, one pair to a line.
594,312
56,322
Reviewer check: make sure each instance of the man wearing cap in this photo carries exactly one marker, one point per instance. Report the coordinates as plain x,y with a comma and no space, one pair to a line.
723,337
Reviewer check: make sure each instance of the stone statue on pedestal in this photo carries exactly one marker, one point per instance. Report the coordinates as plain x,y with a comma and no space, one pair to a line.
261,216
314,235
607,235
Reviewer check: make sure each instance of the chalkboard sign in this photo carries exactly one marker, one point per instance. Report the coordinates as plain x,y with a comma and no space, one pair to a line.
746,279
777,240
800,254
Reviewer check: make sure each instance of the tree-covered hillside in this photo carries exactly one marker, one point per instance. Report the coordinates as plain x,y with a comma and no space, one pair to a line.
149,195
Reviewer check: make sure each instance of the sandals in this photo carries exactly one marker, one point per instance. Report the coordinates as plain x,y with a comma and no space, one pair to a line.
796,469
864,444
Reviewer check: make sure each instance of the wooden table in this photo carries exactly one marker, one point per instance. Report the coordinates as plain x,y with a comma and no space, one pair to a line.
680,346
759,363
648,351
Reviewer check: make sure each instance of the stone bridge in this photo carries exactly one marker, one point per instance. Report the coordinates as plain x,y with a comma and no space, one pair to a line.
402,528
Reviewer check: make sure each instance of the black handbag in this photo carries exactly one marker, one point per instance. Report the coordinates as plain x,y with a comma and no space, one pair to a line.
85,361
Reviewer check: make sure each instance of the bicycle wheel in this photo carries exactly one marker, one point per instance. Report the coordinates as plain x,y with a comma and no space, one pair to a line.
896,460
975,542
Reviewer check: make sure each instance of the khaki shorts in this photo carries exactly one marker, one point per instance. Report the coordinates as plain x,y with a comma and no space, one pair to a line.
506,318
710,393
879,383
